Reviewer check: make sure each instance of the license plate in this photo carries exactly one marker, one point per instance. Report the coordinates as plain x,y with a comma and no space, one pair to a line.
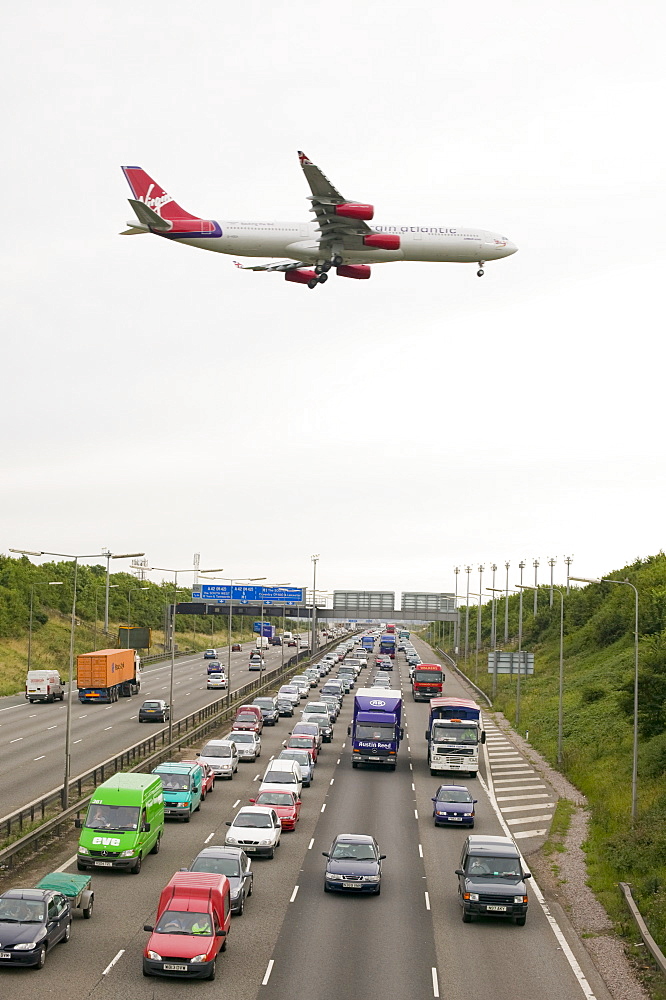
174,968
353,885
5,954
104,864
455,819
497,909
248,849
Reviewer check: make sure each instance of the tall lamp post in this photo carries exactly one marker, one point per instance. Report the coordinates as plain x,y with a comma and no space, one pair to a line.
521,567
45,583
468,570
188,569
109,556
112,586
313,644
634,765
129,610
456,624
478,625
68,729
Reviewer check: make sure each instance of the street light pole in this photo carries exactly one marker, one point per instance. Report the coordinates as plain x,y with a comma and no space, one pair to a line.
314,604
506,605
468,570
551,563
536,590
521,567
634,762
498,590
50,583
108,555
478,626
456,624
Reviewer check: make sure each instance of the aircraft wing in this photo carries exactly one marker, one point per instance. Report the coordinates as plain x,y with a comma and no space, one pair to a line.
274,265
337,231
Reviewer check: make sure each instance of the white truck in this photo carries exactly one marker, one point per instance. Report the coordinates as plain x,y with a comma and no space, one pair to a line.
43,685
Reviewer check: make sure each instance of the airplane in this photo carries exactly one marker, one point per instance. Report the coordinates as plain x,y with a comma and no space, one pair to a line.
339,237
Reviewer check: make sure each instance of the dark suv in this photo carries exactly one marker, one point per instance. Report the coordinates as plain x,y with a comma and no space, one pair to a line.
491,880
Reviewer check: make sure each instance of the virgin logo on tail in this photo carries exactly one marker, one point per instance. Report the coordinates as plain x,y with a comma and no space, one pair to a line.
157,202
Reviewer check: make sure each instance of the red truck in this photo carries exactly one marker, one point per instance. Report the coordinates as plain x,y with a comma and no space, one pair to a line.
427,681
193,918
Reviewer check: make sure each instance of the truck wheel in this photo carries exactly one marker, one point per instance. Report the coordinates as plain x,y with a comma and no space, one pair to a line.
62,696
80,867
433,772
155,849
31,700
136,868
88,912
186,819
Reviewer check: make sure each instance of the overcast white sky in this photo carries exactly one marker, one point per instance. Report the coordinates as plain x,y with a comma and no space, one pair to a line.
156,398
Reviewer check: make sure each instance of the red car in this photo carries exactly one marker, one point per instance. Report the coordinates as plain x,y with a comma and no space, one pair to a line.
208,776
247,720
285,803
303,743
236,648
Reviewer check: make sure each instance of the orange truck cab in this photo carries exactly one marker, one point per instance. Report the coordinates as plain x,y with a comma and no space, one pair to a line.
193,918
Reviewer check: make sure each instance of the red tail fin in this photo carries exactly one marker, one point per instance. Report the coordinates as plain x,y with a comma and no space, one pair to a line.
148,191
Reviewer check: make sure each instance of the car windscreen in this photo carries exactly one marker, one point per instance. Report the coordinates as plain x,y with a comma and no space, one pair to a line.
21,911
175,782
103,817
453,795
300,756
428,676
241,737
217,866
357,852
492,867
246,717
264,702
152,705
213,751
275,799
184,922
253,820
275,777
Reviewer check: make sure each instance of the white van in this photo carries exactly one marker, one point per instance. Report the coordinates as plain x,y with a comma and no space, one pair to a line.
262,642
282,774
43,685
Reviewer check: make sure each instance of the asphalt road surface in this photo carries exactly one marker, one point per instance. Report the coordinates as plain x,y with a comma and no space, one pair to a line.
293,940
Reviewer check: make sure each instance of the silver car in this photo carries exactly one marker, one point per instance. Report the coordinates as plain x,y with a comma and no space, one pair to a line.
247,743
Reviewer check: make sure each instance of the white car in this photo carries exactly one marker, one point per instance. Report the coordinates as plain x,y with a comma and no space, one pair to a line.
255,829
221,756
217,681
247,743
302,683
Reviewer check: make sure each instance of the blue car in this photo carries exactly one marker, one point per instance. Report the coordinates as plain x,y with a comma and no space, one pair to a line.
354,864
453,805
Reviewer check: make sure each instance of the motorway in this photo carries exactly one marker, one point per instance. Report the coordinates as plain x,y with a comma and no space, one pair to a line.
293,940
32,737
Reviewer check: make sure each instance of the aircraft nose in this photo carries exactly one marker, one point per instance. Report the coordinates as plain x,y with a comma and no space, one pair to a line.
510,248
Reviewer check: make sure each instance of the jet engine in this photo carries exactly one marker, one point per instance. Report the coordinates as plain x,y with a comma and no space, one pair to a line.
300,275
352,210
353,270
382,241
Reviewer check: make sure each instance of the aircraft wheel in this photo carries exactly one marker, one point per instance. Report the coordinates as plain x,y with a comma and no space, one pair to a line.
326,266
313,282
319,269
323,278
480,273
338,261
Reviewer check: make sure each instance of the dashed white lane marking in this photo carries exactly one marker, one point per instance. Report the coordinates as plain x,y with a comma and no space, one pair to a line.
50,727
17,740
106,728
237,802
420,850
416,814
30,716
267,976
40,758
323,807
294,894
530,819
435,984
113,961
83,717
209,837
413,787
77,741
256,777
331,781
310,844
427,900
338,760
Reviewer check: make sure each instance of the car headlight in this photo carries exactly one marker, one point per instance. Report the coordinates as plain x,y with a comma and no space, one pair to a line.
198,959
468,814
473,897
520,899
371,878
26,946
83,850
334,878
128,854
153,956
265,843
231,840
182,805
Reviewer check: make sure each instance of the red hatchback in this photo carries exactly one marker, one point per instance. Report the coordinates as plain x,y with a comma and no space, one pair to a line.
303,743
285,803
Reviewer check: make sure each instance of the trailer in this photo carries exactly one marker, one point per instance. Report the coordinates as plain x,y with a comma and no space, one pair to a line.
77,888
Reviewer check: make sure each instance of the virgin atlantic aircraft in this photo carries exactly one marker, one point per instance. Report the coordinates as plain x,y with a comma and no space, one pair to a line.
339,237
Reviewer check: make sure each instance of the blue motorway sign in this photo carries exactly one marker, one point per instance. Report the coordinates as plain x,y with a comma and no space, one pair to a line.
244,594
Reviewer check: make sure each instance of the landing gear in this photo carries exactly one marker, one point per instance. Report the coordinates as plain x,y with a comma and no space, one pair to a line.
323,268
322,278
480,272
313,282
337,261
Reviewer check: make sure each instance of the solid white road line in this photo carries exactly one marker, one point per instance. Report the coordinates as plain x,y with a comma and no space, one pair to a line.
113,961
267,976
294,894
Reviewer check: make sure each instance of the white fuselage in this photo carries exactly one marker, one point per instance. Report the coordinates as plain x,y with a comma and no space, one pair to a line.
300,241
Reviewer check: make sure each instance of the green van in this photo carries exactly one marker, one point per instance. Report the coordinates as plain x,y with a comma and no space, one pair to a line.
125,821
181,788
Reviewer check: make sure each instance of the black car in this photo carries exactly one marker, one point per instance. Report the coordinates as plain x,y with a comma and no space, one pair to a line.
285,706
31,922
491,879
232,862
354,864
154,711
269,709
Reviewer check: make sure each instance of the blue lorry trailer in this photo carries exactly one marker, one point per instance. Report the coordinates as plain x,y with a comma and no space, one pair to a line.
376,730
